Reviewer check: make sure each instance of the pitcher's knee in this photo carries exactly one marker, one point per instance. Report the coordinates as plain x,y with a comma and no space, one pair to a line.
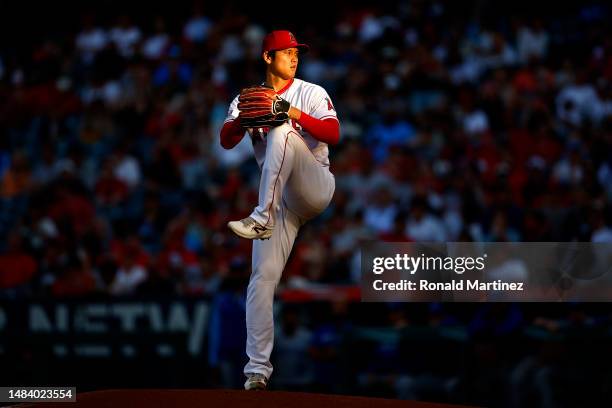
321,202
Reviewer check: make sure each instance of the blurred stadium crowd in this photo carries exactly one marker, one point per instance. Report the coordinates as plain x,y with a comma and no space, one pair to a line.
453,128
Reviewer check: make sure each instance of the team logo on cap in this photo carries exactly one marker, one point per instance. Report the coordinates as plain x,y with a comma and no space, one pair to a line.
292,37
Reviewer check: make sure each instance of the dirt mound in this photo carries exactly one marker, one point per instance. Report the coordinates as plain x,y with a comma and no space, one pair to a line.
228,399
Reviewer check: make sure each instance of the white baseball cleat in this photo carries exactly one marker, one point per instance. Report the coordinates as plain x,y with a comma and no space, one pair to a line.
250,229
255,382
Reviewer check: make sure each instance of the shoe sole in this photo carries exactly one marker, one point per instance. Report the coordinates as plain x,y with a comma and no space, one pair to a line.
237,232
256,388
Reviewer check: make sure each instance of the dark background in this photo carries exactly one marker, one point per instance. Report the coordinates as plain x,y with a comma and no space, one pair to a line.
110,166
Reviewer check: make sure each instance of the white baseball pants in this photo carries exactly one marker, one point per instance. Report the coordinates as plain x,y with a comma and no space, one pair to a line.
294,188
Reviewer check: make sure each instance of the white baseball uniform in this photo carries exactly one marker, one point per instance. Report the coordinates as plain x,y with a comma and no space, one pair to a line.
295,186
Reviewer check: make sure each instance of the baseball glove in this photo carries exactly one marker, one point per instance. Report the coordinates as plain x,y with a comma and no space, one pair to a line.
260,106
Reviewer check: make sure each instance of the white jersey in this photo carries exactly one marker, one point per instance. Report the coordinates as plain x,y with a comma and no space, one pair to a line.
310,99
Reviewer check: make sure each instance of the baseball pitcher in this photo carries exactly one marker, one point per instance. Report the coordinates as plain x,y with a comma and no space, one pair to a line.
291,122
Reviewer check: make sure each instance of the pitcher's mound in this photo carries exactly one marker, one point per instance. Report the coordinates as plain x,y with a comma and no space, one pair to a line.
229,399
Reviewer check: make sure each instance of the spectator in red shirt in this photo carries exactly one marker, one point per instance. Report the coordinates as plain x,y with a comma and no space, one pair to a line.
398,231
109,189
17,267
77,279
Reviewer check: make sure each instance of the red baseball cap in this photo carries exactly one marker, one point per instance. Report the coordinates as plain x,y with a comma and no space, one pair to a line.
281,39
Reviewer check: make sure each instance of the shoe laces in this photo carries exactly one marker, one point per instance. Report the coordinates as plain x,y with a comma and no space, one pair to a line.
257,377
249,222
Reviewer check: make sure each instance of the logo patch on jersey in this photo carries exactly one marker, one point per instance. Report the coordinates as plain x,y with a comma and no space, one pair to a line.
329,105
